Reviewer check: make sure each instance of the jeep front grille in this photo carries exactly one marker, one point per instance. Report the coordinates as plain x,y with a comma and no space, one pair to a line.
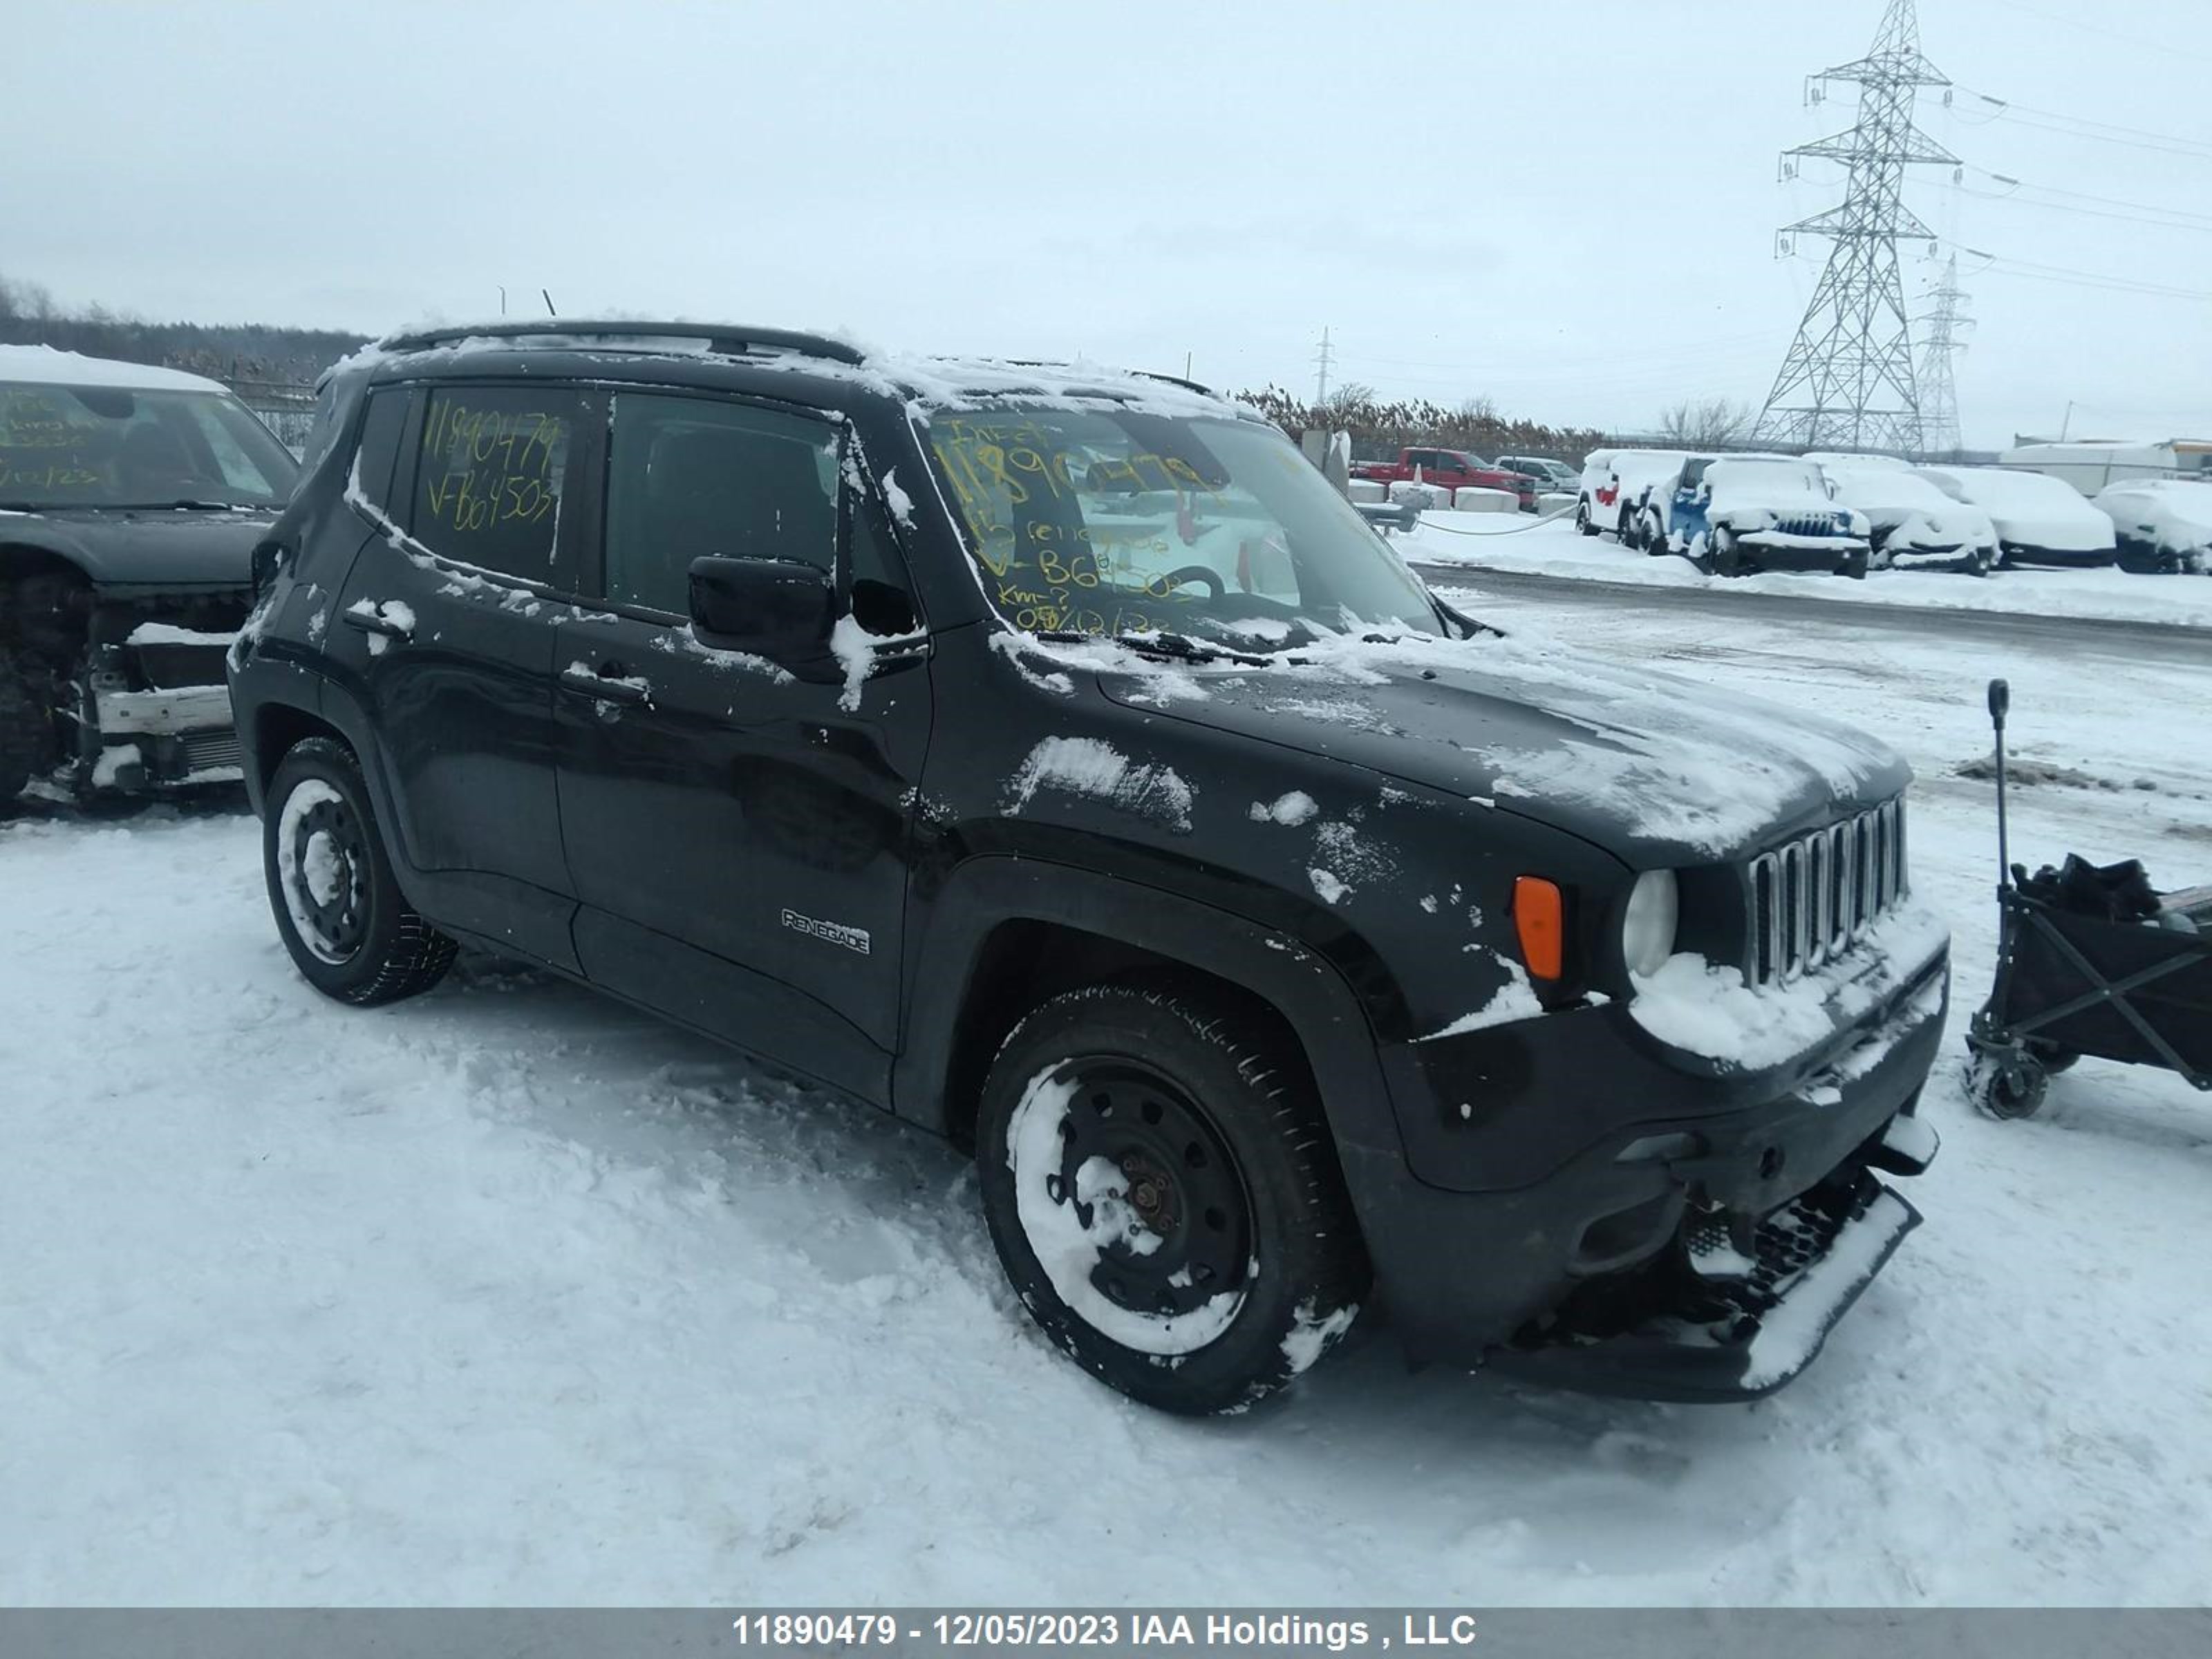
1811,898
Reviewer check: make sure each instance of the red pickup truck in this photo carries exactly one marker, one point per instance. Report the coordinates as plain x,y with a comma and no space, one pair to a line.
1449,469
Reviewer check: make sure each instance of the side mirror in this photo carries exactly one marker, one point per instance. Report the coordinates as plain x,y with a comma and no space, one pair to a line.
779,608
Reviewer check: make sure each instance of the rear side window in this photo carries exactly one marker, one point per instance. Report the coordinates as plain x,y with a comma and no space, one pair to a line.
692,477
488,487
378,453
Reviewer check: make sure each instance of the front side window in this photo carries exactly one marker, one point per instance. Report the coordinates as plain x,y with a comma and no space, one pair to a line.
1117,522
489,484
693,477
113,447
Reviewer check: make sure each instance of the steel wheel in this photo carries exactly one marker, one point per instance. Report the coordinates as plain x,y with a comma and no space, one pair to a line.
1163,1191
1134,1206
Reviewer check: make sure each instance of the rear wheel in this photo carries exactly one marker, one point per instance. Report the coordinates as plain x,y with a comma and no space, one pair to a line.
1583,523
338,907
1163,1193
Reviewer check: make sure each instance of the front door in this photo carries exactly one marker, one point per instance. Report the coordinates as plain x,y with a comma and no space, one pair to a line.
737,831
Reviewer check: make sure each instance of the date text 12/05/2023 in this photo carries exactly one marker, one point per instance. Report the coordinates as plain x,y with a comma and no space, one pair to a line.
1240,1631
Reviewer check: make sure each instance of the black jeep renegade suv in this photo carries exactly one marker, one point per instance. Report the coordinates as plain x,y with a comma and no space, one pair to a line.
1050,757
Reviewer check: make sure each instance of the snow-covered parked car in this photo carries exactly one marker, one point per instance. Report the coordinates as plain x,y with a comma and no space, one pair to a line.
1740,513
2161,525
2040,520
131,499
1053,758
1638,478
1912,525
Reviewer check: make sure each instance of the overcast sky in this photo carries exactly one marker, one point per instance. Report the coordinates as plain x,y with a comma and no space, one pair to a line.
1569,208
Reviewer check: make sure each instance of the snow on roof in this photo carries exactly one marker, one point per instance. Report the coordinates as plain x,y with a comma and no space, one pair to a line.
923,382
44,366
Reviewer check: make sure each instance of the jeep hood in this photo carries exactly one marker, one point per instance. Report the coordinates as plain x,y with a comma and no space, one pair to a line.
1657,770
151,549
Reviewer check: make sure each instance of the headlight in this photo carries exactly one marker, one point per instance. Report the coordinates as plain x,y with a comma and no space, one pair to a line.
1647,930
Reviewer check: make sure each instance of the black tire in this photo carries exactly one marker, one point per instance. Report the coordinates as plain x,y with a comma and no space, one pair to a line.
27,731
2009,1089
1854,566
1655,536
1584,524
1723,557
360,942
1193,1128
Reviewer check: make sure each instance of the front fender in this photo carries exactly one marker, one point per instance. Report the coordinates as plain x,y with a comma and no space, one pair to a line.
1273,962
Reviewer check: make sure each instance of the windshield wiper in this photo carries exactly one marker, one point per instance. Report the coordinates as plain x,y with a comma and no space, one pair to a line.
1175,647
190,505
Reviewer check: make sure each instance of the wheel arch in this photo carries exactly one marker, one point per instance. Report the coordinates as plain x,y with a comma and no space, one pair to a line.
1017,931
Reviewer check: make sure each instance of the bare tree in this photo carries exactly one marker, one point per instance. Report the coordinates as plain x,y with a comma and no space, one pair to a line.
1705,422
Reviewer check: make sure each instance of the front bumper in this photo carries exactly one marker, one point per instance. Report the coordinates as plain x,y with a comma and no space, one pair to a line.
1778,550
1955,555
182,735
2064,557
1596,1158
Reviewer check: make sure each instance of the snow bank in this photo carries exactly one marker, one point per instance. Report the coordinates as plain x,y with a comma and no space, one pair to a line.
1474,499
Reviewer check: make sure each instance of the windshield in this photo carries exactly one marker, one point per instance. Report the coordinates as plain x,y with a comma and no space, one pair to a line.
1765,478
62,446
1117,522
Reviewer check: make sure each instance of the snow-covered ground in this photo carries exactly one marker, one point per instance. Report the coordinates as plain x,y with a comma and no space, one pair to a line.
1551,547
510,1294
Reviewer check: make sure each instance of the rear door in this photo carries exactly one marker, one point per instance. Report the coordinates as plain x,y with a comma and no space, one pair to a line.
737,831
447,641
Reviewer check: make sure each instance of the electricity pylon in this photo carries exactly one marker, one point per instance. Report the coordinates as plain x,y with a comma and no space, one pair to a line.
1847,382
1939,395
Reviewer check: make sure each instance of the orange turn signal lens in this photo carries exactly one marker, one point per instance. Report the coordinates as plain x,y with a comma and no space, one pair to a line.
1540,915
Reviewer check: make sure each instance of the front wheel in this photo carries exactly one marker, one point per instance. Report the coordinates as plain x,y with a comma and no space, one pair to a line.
1163,1196
1584,524
1723,557
339,910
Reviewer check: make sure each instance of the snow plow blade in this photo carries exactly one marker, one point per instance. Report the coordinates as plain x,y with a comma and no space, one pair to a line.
1815,1255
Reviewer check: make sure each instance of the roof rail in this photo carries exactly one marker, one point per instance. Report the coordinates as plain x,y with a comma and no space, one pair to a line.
726,338
1175,380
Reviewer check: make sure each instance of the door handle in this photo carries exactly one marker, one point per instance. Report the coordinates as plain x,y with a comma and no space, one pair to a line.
372,621
604,685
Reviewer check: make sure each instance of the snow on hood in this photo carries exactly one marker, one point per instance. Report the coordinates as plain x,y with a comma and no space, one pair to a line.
1782,487
1660,771
2031,508
1895,495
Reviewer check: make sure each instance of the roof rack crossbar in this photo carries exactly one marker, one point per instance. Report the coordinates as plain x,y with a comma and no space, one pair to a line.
730,339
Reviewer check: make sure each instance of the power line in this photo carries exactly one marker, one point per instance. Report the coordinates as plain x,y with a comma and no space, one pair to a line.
2018,200
2004,265
2075,127
2079,195
2165,48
